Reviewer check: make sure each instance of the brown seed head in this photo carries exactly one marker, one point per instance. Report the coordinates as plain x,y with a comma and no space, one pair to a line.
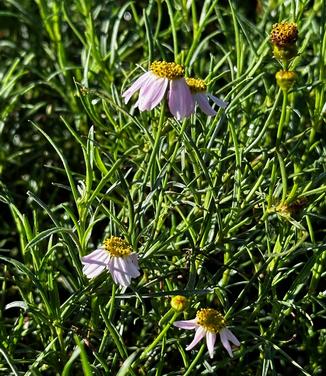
284,34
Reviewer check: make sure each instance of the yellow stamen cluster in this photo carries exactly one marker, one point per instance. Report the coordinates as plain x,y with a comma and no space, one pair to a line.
210,319
117,247
284,34
285,79
170,71
196,85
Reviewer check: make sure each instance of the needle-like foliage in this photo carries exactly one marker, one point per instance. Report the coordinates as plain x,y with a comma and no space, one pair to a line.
226,211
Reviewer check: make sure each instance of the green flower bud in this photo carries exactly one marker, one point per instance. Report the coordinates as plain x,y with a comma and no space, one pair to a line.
179,303
284,53
285,79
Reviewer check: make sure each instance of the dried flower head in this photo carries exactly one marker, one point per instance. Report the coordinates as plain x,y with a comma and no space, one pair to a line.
284,34
283,37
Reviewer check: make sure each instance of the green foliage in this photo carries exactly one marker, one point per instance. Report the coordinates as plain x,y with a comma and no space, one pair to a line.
226,210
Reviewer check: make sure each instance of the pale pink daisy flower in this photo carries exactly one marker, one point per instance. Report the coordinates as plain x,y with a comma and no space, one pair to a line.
117,257
163,77
209,322
198,89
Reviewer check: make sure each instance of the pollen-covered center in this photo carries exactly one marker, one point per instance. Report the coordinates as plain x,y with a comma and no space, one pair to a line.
284,33
196,85
210,319
117,247
171,71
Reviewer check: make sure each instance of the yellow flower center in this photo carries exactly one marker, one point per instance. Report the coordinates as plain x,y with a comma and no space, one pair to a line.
117,247
196,85
210,319
170,71
284,33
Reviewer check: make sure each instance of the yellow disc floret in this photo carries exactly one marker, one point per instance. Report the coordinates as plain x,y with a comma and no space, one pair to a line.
210,319
284,34
117,247
171,71
196,85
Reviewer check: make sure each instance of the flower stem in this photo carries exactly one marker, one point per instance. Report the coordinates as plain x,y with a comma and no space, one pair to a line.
112,301
195,361
159,337
282,120
156,143
277,145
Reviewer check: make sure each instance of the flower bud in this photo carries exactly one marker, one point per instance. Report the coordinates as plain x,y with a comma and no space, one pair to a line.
285,79
179,303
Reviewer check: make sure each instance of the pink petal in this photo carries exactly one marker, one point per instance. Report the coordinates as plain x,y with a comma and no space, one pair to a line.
134,259
203,104
93,271
95,257
210,341
136,86
200,334
181,102
95,263
225,341
132,269
218,101
152,93
186,324
232,337
117,272
152,78
112,269
125,278
161,90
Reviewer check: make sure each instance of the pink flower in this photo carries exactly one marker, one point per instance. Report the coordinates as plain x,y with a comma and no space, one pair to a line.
209,322
117,257
154,84
200,95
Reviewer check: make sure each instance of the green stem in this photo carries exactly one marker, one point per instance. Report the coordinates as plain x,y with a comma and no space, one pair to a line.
226,273
195,361
156,144
266,125
282,120
112,301
155,342
159,337
278,142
